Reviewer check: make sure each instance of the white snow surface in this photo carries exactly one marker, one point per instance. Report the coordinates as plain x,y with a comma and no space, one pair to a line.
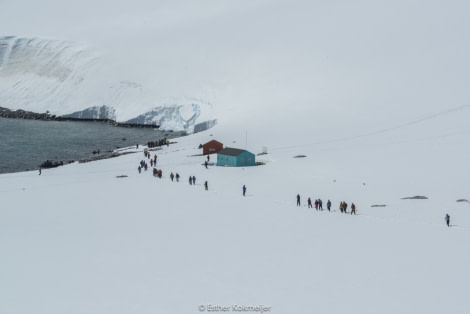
77,239
374,94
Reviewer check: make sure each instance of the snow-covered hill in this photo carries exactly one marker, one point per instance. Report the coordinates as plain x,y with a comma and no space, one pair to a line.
69,79
40,75
307,61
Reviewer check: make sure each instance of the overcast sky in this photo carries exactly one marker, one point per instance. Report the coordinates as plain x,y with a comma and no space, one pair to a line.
355,57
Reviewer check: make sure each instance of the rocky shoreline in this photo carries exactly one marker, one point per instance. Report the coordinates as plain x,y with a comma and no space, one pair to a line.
29,115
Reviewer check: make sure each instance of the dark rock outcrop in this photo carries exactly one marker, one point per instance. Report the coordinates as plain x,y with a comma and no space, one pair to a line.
417,197
22,114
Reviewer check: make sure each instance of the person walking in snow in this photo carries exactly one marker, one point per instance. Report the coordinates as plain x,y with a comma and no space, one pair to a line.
194,180
244,190
206,185
353,209
172,176
328,205
320,204
345,207
448,220
205,164
139,168
190,180
316,204
341,206
309,202
39,170
298,200
177,177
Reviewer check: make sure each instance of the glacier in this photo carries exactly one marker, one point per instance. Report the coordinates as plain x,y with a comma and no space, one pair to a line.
73,80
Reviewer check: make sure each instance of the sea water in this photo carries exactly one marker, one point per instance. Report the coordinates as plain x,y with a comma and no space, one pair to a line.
26,144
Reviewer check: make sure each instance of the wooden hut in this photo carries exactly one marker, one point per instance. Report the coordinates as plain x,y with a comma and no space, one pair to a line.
235,157
212,147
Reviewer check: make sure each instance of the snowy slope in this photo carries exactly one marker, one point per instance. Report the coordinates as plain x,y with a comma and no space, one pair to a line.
141,244
375,95
39,75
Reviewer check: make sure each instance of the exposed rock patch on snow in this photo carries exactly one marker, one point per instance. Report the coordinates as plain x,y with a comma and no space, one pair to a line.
417,197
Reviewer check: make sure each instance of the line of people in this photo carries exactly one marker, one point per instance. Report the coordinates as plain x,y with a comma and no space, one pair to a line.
318,204
158,143
343,206
159,173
